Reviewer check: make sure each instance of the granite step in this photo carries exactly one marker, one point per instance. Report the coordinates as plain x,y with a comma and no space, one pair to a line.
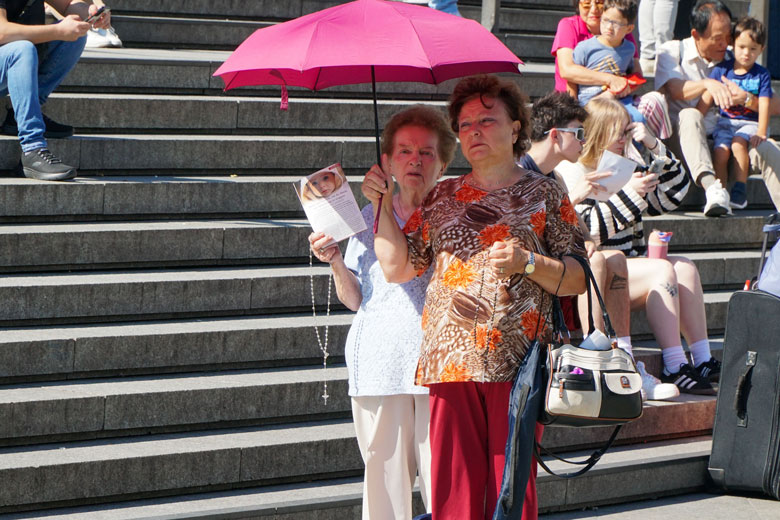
85,472
208,344
153,154
184,33
111,113
203,154
664,468
91,245
49,353
131,406
270,9
213,33
629,473
187,71
172,243
111,407
150,196
146,113
101,296
714,503
165,195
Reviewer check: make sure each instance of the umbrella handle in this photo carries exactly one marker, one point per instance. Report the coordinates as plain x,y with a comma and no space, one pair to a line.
378,150
376,217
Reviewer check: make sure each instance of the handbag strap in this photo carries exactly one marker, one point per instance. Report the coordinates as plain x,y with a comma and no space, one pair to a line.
590,283
588,463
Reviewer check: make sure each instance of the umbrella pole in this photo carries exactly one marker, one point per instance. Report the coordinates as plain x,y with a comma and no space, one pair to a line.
378,151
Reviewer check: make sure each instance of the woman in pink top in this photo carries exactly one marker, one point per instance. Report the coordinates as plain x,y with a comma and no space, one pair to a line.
587,24
571,31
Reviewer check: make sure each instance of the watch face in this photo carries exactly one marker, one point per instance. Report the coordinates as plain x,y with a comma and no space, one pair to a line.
531,265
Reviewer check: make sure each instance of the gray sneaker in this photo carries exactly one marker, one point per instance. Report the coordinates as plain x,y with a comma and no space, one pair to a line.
43,165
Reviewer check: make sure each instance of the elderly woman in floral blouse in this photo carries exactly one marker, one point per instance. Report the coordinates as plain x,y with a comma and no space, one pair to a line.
497,239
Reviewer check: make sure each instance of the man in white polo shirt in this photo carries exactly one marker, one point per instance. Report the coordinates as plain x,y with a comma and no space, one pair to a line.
682,74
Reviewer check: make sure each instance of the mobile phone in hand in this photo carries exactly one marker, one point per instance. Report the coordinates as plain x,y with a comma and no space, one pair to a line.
98,14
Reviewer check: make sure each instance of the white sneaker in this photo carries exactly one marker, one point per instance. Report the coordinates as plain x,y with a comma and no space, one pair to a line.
113,38
652,387
717,200
102,38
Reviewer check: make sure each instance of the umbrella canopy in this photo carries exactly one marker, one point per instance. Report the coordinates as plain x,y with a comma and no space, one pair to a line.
341,45
366,41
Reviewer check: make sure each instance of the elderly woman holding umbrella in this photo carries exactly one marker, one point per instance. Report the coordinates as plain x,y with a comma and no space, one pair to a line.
389,411
495,239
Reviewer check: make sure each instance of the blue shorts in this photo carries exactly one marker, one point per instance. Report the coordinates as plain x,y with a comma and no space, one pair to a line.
727,129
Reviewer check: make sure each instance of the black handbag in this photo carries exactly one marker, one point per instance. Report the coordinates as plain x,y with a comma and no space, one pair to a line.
588,387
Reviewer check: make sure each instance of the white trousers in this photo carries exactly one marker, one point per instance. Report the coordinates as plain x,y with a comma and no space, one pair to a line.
656,21
766,159
392,433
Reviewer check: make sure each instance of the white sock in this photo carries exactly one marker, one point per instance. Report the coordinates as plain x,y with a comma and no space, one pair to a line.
700,352
673,358
624,342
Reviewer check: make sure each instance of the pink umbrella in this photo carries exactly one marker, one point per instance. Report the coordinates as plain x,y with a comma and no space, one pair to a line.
366,41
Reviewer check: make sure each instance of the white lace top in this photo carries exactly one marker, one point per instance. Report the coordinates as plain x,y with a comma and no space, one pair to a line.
383,344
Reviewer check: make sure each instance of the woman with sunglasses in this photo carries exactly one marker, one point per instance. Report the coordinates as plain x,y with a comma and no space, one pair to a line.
571,31
669,290
651,108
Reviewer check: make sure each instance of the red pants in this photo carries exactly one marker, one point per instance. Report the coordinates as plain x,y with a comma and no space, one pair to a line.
469,430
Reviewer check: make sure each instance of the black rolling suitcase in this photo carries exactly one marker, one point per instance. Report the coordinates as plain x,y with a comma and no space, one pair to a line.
746,435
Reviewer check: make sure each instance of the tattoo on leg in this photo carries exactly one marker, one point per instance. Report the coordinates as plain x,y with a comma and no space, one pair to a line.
618,283
671,289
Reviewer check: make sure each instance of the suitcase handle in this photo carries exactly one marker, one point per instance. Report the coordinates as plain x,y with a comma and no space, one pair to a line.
740,398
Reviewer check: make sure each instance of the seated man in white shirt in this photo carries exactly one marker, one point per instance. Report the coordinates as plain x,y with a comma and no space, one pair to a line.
682,74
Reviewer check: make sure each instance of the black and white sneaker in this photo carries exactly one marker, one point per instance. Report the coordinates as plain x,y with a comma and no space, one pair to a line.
710,370
688,380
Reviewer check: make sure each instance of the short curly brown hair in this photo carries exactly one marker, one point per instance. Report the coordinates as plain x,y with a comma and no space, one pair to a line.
424,117
490,86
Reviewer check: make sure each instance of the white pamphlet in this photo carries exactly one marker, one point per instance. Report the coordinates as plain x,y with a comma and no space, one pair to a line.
329,203
622,169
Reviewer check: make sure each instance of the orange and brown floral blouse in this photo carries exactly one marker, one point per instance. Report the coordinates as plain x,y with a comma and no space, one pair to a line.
455,228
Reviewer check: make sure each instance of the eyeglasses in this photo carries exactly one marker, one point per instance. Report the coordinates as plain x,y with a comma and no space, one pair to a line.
626,135
615,25
579,132
586,3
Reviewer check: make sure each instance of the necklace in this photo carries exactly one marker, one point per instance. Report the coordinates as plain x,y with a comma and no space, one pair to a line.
323,345
490,323
397,208
472,180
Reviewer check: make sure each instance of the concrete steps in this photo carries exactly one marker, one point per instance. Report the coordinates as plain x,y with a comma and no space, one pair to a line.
188,71
156,243
625,473
110,407
157,357
81,297
164,464
51,353
122,406
160,196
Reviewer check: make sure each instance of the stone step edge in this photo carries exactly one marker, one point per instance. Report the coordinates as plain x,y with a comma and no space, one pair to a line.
91,409
299,499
